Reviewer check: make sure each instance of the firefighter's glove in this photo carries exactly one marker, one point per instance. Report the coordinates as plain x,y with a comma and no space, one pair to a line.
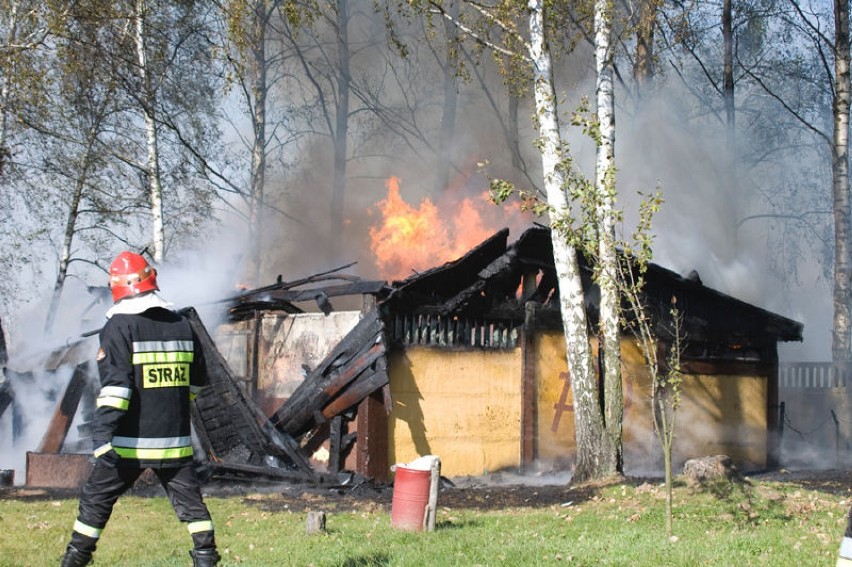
844,557
106,455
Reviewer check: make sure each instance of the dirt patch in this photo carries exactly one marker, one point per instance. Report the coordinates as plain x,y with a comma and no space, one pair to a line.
480,493
369,496
831,481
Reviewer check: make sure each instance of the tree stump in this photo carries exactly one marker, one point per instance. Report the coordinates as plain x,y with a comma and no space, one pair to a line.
315,523
710,468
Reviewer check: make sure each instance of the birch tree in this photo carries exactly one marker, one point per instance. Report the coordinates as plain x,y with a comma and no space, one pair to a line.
252,71
644,24
605,205
596,457
808,74
148,103
74,145
24,27
841,347
575,219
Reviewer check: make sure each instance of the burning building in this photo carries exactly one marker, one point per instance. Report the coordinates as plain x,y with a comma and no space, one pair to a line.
466,361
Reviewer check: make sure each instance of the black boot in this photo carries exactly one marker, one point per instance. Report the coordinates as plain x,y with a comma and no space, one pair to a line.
204,557
75,558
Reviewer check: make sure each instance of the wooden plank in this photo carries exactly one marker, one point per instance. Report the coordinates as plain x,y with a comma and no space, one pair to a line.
334,444
358,390
257,438
358,365
342,365
355,288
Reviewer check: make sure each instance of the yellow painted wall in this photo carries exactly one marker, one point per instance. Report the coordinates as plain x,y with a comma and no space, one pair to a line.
719,415
724,415
464,406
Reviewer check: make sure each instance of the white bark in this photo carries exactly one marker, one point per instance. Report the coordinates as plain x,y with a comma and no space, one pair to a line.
841,344
259,91
592,443
341,131
155,190
71,225
606,196
11,24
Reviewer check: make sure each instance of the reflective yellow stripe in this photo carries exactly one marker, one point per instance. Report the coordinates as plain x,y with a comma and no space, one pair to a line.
162,357
102,449
116,391
152,442
87,530
154,454
113,402
201,526
162,346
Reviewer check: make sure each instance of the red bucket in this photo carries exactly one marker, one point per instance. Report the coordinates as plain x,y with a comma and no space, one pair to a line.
410,498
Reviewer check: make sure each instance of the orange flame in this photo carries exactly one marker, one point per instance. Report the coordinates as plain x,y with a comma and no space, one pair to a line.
408,239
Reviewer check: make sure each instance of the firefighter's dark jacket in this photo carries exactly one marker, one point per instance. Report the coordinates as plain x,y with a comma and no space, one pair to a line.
150,366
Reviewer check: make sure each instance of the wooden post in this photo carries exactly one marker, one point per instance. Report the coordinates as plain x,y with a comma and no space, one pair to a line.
335,444
434,485
528,388
774,415
315,523
371,445
836,438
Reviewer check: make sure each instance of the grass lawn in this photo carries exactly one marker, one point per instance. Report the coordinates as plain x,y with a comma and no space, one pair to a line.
765,523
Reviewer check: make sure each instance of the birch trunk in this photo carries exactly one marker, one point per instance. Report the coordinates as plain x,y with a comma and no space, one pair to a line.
643,66
606,196
593,445
728,65
448,117
155,190
5,88
840,348
259,90
341,134
71,226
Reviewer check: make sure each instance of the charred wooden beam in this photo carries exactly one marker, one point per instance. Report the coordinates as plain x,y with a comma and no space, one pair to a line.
354,288
63,415
358,390
335,443
337,381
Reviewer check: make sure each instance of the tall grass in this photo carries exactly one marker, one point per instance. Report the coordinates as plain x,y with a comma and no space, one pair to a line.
767,524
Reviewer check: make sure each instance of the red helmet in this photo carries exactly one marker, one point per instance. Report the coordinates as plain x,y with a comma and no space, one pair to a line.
129,275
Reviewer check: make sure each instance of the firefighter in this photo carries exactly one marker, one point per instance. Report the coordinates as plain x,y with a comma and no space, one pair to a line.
150,365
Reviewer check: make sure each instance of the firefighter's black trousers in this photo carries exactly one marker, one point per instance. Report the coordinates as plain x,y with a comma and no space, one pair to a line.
107,483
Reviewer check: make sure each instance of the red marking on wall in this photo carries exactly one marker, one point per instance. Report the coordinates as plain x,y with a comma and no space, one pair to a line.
561,406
